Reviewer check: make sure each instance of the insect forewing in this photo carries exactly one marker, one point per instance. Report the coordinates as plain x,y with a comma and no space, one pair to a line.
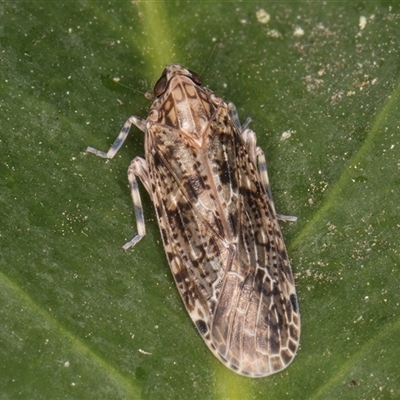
218,224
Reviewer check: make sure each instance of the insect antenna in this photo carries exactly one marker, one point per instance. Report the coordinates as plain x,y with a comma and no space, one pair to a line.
116,80
208,59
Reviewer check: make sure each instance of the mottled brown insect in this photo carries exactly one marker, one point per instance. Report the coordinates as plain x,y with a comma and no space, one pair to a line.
209,185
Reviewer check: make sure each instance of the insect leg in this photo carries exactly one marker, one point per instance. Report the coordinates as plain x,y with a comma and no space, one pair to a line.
138,168
139,122
262,168
249,138
258,158
235,117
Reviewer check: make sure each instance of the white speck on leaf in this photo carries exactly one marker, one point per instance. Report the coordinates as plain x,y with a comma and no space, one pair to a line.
363,22
262,16
298,31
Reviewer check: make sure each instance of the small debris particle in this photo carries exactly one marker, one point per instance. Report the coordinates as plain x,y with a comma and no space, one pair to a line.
298,31
262,16
363,22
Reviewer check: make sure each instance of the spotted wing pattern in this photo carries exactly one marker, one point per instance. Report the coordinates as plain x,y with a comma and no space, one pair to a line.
220,232
209,185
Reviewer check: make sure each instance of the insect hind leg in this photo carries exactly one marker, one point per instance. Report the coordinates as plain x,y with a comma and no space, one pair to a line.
138,168
256,155
262,168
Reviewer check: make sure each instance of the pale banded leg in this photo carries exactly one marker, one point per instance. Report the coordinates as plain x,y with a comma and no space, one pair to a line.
138,168
235,117
258,158
248,136
250,140
262,168
119,141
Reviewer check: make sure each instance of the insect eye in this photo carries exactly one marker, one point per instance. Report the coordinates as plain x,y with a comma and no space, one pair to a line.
161,85
196,78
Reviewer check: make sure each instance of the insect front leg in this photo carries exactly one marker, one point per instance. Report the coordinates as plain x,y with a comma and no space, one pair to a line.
138,168
119,141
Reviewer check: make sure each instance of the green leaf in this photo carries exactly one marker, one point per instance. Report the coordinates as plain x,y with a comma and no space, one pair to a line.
80,318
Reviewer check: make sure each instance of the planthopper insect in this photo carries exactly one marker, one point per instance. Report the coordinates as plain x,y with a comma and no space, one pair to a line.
209,185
